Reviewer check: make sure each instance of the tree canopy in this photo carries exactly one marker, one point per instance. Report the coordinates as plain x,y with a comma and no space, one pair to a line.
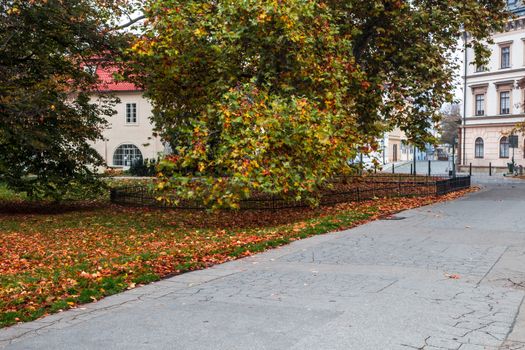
278,96
47,120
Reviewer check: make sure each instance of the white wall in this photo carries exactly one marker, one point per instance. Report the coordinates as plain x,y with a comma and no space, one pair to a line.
139,134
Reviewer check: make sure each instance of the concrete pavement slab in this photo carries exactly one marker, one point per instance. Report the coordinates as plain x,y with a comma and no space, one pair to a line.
439,278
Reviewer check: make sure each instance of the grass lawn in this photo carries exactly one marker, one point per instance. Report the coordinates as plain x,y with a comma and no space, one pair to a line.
8,195
52,260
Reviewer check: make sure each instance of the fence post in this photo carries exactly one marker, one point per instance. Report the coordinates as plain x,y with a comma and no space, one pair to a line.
429,168
470,169
411,169
490,169
393,168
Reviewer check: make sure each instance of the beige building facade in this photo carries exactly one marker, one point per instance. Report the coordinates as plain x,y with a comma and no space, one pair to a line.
494,98
129,136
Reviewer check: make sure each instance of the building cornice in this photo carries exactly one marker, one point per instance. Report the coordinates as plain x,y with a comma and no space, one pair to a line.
497,117
498,72
471,126
478,85
505,43
515,24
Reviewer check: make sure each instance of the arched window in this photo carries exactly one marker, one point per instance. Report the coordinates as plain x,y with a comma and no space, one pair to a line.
478,150
126,155
504,147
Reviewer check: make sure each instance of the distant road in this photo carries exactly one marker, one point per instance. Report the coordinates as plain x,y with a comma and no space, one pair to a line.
437,167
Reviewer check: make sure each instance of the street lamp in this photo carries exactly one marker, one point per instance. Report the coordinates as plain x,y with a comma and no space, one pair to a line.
414,160
383,149
454,156
513,143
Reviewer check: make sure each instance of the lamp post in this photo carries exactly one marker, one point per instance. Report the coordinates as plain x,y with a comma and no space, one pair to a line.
454,156
383,149
513,143
414,160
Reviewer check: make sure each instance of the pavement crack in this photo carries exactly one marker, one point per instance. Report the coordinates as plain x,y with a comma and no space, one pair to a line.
477,329
418,347
493,265
511,329
463,315
386,287
516,284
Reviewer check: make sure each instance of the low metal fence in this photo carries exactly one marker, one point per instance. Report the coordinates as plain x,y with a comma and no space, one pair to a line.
341,190
452,184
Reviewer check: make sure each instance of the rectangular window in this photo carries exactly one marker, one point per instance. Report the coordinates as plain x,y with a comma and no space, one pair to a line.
504,148
90,69
504,102
505,57
131,113
480,69
480,104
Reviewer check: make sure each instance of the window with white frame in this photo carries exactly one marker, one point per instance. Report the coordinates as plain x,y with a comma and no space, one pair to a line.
504,102
480,69
131,113
126,155
90,69
480,104
505,57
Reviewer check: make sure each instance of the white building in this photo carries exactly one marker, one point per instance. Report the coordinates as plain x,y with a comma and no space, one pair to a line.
129,136
493,99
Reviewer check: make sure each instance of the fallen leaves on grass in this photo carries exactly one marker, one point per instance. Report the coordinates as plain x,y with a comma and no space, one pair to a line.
50,263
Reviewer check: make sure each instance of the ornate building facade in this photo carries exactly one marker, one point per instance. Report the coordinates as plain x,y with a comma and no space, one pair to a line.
494,98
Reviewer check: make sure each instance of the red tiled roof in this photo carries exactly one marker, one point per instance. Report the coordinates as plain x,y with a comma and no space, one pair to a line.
108,83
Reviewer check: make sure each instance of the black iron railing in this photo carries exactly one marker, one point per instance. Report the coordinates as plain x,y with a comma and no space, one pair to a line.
341,190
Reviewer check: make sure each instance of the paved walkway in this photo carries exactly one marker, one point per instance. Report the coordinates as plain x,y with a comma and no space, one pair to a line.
386,285
437,167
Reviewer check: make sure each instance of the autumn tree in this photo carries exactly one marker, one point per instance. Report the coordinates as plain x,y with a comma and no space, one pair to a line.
450,123
278,96
47,119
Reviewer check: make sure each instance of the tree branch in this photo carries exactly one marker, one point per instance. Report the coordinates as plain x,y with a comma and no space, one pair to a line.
131,22
4,45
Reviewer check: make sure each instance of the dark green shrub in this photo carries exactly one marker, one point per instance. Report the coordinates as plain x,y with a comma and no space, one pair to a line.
146,167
